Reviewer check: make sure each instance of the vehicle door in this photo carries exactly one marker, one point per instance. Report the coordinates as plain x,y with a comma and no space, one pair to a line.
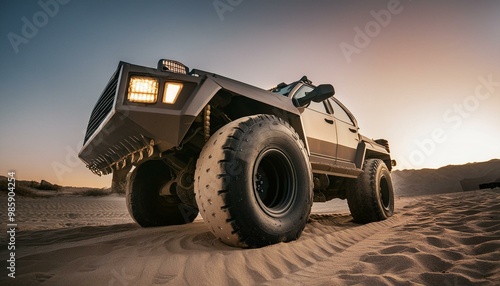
347,134
319,126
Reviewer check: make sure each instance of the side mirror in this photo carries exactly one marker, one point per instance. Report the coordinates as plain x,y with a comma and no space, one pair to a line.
318,94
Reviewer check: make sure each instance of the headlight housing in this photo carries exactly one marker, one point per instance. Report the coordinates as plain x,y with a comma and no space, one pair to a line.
171,92
142,89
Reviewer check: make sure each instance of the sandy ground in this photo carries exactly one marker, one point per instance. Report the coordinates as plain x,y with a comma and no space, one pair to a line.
451,239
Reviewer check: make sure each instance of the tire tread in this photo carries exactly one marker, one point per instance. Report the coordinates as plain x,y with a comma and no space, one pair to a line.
219,175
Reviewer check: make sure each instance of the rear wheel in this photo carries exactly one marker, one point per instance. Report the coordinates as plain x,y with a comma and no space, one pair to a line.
372,198
147,205
253,182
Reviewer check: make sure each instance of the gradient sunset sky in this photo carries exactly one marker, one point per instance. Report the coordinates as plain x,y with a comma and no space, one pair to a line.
425,75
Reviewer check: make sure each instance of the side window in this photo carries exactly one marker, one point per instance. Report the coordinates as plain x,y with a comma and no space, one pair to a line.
340,113
316,106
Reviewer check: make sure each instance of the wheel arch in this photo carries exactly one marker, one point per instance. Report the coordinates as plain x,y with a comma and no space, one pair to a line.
369,150
236,104
254,107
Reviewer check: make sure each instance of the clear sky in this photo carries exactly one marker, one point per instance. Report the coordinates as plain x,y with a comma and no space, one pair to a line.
422,74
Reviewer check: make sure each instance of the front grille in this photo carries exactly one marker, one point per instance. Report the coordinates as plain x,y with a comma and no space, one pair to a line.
103,106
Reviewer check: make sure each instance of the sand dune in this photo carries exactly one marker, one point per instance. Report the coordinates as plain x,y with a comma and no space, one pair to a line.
451,239
449,179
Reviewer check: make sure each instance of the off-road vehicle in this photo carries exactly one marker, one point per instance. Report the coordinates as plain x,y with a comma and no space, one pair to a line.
251,161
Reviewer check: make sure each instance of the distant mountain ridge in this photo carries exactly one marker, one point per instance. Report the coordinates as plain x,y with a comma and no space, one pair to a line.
448,179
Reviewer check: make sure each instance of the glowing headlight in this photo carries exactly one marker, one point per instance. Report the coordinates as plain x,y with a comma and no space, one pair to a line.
142,89
172,91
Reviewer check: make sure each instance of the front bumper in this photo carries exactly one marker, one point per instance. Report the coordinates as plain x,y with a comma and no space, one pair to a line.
121,133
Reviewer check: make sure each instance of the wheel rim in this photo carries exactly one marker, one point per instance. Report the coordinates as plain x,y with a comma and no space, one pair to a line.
385,194
274,182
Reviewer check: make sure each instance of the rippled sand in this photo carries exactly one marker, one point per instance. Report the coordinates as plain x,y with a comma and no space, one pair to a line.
451,239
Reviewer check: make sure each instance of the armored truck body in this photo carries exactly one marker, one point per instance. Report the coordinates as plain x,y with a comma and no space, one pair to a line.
251,161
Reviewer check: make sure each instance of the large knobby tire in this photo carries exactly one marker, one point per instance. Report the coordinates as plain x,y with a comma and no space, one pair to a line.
372,198
145,204
253,182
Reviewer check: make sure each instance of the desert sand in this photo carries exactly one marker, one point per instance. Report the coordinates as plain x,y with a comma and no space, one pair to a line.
447,239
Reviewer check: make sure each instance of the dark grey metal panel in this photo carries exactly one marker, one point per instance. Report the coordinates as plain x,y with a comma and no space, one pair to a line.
258,94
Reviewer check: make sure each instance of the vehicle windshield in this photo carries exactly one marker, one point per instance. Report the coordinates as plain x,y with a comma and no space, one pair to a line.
286,89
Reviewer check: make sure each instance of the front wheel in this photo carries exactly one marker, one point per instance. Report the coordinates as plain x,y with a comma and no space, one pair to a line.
372,198
147,206
253,182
